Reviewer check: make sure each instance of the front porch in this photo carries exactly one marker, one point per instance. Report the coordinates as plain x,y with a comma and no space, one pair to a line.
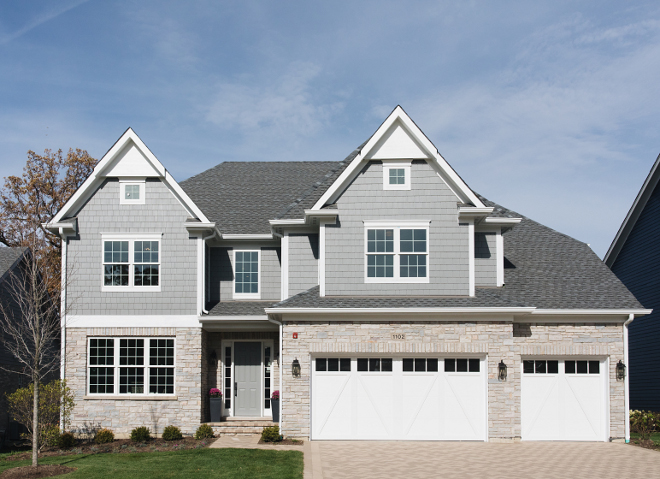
241,426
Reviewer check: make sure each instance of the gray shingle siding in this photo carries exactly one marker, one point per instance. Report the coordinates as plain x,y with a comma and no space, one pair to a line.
303,262
637,265
161,213
428,199
485,259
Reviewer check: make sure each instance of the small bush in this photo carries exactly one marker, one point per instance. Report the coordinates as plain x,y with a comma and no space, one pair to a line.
172,433
67,440
104,436
644,423
51,436
204,431
140,434
271,434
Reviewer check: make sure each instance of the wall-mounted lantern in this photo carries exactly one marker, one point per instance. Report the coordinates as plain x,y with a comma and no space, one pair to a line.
501,371
295,368
213,358
620,371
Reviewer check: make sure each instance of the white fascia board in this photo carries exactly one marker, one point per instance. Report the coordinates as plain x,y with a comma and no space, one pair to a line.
592,312
502,221
391,311
91,184
198,226
62,228
268,236
219,319
132,321
466,212
456,183
328,213
296,222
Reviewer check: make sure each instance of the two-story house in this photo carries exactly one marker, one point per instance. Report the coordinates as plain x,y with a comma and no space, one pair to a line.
380,294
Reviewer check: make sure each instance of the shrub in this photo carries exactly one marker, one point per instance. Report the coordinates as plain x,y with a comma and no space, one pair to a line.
644,423
104,436
204,431
172,433
271,434
140,434
55,399
67,440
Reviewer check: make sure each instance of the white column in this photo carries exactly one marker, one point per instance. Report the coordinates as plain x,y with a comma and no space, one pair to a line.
626,383
200,275
322,259
471,280
285,266
499,249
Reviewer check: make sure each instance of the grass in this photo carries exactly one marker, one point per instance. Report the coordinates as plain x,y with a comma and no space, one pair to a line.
655,437
198,463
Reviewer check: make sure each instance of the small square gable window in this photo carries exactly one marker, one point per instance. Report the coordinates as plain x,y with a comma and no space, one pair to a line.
396,175
131,192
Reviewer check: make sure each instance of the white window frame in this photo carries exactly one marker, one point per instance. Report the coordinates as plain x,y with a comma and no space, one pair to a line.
397,226
256,295
396,165
132,182
132,238
116,366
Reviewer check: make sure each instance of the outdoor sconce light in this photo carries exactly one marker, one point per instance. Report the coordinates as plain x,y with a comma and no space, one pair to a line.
213,358
501,371
295,368
620,371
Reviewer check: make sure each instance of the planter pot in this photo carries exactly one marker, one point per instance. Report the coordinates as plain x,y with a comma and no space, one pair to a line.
275,408
217,406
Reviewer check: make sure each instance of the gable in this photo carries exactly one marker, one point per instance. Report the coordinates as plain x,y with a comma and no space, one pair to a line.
130,161
397,143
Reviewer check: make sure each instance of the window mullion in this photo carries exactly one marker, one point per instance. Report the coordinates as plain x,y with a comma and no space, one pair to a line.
397,253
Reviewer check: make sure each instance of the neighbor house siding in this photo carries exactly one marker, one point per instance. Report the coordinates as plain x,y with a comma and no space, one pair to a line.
485,259
161,213
637,266
429,199
303,262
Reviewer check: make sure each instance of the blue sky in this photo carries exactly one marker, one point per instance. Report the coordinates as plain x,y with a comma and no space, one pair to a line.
548,108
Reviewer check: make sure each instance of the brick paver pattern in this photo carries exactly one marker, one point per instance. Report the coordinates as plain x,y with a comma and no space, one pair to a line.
542,460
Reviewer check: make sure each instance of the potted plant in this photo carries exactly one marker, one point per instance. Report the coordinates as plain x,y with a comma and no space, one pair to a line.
216,404
275,405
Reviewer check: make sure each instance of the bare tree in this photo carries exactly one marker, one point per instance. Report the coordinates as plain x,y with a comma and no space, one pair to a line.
29,322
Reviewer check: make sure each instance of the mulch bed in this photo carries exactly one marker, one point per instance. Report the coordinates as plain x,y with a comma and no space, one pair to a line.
647,444
48,470
117,447
288,442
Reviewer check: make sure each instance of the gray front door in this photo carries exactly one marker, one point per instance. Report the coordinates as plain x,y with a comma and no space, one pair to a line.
247,371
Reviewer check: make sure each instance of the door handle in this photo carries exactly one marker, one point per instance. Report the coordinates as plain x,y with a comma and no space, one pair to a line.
235,389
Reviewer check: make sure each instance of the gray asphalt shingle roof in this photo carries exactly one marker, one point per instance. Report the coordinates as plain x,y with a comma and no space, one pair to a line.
8,257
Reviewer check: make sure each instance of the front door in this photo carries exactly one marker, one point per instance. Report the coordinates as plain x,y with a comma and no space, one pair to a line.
247,370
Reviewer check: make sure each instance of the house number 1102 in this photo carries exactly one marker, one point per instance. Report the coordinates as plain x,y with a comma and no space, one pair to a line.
398,336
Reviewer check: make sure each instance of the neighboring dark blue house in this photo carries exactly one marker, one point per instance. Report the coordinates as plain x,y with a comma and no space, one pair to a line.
634,256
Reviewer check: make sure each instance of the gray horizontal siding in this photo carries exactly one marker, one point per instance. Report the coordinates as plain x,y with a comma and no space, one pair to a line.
485,259
161,213
429,199
638,267
222,273
303,262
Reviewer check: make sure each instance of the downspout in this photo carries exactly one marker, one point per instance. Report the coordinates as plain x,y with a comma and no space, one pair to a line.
280,367
215,231
63,314
626,382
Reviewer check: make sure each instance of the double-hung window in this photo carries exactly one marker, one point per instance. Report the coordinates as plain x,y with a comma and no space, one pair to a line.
131,262
247,266
396,253
130,366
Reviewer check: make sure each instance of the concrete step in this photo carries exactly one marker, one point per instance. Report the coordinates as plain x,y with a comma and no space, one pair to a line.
241,426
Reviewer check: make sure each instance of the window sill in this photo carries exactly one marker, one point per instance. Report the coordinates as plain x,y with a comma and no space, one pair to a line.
397,280
130,289
128,397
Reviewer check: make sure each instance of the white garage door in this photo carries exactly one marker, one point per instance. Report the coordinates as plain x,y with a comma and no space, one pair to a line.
564,400
399,398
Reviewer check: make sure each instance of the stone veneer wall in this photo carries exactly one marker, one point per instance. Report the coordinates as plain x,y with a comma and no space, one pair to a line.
122,415
499,340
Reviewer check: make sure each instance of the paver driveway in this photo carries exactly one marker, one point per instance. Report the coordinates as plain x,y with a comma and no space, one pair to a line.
386,460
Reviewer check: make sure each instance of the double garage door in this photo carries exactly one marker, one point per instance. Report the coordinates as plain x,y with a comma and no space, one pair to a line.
399,398
434,398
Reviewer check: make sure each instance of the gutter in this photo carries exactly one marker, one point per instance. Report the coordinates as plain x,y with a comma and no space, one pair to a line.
279,364
626,381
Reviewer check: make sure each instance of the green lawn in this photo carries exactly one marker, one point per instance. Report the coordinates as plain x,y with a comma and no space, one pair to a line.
202,463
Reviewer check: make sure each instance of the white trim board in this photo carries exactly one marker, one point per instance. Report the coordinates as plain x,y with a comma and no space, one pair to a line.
132,321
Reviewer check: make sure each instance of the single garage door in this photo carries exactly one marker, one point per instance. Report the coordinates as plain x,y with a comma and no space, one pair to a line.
564,400
426,398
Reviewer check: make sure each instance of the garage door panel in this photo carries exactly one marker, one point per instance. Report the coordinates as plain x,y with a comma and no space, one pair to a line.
334,396
464,407
421,414
564,406
373,407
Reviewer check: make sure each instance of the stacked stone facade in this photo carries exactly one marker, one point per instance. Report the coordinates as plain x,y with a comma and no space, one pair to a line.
496,340
122,413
